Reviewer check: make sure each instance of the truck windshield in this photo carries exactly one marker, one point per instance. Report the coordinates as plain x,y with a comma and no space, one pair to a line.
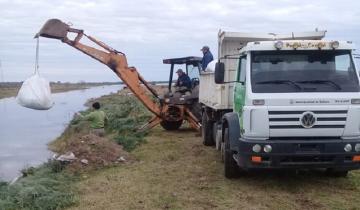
303,71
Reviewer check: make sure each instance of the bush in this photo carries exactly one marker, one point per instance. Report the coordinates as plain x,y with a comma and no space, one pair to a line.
125,115
41,189
129,142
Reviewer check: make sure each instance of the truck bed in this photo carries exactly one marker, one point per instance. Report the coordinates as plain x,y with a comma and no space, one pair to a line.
213,95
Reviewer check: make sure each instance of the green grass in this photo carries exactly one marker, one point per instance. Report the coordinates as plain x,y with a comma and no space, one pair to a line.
45,187
125,115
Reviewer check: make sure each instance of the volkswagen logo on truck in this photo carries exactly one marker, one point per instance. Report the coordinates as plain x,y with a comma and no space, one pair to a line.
308,120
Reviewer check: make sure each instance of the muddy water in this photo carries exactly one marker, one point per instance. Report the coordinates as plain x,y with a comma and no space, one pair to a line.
25,133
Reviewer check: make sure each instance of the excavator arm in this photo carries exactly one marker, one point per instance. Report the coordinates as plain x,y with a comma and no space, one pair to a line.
114,59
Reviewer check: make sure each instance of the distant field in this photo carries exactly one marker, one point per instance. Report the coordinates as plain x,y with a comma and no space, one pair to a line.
9,89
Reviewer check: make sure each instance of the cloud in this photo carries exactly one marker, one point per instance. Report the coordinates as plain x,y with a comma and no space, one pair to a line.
149,31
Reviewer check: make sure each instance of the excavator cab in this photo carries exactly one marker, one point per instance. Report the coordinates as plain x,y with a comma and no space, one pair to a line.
184,96
192,69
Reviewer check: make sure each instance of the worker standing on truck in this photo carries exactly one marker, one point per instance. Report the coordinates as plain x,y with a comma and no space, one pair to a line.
183,81
97,119
207,58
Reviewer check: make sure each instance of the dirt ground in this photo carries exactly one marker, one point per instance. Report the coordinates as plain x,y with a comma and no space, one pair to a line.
173,170
94,152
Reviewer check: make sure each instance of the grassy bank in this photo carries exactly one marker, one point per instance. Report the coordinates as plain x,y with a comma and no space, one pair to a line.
45,187
51,186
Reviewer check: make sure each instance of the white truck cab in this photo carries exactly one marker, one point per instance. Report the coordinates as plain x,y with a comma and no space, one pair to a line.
285,101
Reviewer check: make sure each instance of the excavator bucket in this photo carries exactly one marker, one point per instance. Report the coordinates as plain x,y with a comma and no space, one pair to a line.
54,29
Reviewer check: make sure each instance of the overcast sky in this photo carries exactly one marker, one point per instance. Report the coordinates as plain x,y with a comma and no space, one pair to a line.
148,31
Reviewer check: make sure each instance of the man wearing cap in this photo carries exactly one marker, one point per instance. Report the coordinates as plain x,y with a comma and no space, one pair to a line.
183,79
97,119
207,58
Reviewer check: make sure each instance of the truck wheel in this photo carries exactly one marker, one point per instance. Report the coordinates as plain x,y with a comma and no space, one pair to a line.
171,125
207,134
231,168
336,172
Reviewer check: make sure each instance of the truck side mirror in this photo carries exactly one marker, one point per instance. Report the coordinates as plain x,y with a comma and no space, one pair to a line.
219,72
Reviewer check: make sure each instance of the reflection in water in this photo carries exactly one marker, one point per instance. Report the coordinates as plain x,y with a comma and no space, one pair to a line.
25,133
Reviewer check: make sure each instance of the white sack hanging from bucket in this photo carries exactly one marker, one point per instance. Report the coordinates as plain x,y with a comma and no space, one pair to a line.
35,92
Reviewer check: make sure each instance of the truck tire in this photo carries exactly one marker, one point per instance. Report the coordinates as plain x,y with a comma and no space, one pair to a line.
207,133
231,169
171,125
336,172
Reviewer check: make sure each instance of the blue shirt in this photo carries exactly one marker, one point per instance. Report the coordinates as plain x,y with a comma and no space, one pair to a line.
208,57
184,81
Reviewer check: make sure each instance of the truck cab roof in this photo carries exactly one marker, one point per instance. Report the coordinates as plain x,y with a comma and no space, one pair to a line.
252,37
297,45
312,40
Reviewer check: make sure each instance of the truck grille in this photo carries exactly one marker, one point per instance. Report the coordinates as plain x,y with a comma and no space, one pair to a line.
294,119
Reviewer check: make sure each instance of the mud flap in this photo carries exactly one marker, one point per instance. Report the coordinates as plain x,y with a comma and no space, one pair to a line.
232,120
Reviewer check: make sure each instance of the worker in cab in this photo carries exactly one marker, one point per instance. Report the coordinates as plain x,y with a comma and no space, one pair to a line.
183,83
97,119
207,57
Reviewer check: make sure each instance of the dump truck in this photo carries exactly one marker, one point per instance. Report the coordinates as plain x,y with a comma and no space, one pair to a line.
282,102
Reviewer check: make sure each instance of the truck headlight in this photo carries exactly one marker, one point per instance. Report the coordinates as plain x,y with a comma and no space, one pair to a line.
267,148
357,147
348,148
256,148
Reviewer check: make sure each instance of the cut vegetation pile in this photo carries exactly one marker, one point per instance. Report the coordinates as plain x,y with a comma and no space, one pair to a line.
94,152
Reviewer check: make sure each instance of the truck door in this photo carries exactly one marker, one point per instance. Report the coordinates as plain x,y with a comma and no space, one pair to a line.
239,89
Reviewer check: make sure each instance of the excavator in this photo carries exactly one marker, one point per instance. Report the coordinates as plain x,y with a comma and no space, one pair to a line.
170,110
